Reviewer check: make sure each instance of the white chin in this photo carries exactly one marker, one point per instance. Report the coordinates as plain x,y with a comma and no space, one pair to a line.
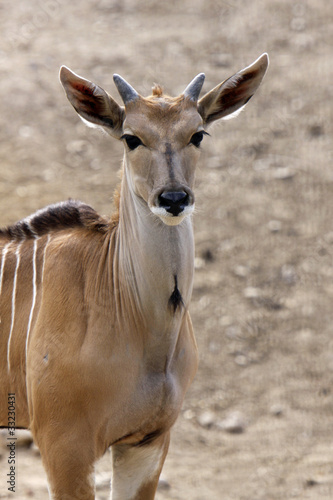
172,220
169,219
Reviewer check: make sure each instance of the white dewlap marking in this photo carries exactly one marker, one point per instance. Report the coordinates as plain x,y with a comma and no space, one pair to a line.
34,293
18,258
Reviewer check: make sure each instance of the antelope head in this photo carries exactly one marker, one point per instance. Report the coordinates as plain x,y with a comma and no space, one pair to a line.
162,135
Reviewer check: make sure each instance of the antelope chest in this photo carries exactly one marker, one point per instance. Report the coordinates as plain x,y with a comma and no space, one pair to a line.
152,409
151,399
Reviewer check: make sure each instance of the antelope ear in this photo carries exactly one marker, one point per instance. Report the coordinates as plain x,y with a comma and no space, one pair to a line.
95,106
229,97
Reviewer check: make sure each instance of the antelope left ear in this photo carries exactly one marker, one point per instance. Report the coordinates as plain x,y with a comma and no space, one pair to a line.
229,97
95,106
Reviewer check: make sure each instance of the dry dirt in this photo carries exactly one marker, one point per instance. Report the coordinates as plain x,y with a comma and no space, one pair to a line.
262,301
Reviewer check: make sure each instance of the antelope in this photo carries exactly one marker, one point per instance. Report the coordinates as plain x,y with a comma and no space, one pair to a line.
97,345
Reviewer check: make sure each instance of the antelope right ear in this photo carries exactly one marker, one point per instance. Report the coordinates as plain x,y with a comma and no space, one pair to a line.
95,106
229,97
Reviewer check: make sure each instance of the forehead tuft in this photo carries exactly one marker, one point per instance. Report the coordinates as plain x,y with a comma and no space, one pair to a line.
157,90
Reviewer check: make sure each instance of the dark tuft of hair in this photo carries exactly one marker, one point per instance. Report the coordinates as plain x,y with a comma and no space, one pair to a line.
176,300
157,90
63,215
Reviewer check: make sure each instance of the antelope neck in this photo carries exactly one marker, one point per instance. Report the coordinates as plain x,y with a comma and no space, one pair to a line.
156,261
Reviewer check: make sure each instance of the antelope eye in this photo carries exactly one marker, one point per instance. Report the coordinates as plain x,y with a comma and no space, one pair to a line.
197,138
132,141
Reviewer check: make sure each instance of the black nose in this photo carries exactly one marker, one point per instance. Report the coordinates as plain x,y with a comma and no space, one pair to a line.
174,202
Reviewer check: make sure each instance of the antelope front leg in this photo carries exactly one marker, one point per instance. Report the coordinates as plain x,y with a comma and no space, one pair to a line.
136,469
69,463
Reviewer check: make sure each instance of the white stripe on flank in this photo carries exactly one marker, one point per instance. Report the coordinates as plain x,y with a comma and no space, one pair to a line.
18,258
34,293
44,253
3,260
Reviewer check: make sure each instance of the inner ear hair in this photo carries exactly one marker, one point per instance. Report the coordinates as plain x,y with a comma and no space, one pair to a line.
95,106
228,98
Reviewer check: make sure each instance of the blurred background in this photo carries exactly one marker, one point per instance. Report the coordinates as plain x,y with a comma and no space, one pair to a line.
257,423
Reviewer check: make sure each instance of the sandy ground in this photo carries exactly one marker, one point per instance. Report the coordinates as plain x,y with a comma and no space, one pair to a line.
262,302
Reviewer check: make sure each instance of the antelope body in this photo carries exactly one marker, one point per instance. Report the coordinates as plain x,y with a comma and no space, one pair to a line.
96,340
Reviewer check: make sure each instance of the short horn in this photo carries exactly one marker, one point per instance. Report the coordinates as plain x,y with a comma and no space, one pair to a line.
194,88
126,91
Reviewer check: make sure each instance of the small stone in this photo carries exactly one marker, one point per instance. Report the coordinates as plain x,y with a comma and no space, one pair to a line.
207,255
35,450
318,478
274,226
316,130
262,164
284,173
309,483
188,414
26,131
48,175
234,423
24,438
79,146
305,335
251,292
225,320
206,419
289,274
163,484
22,191
204,301
241,271
276,410
233,332
241,360
199,263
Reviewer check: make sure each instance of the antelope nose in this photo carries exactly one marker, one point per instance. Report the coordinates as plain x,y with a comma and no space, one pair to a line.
174,202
